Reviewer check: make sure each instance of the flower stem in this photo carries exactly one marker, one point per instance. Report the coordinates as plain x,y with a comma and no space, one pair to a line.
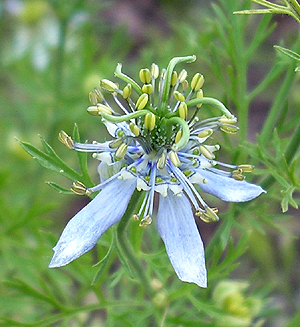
124,244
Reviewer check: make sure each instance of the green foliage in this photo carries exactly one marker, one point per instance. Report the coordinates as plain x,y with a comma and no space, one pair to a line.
53,54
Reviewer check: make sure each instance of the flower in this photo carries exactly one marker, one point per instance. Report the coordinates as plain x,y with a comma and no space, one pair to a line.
157,147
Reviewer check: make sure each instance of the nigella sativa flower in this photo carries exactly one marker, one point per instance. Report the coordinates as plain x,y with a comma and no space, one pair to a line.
158,146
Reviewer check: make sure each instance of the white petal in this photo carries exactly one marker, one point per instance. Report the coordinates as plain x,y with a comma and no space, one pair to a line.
177,228
85,228
228,189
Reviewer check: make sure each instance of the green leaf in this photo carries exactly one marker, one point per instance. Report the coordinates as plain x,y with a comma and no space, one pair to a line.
60,189
50,159
103,263
288,52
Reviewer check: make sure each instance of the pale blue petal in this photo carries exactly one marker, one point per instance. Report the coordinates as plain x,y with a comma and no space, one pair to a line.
178,230
229,189
85,228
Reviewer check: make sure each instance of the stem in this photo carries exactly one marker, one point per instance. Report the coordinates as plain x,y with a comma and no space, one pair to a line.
119,119
127,79
124,244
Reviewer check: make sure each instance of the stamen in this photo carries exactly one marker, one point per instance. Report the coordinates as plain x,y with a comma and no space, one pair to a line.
174,158
206,152
209,215
145,76
127,91
80,189
149,122
66,140
183,110
147,220
246,168
134,129
229,129
197,82
121,151
109,86
142,101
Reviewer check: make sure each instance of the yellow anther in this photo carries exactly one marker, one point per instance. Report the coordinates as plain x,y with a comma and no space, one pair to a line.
99,109
149,121
185,85
182,76
134,129
161,162
183,110
146,221
145,75
80,189
93,98
66,139
116,143
206,152
147,88
174,158
199,96
108,85
246,168
135,217
174,78
205,133
121,151
179,96
96,96
178,136
127,91
209,215
229,129
142,101
154,71
237,175
197,82
225,120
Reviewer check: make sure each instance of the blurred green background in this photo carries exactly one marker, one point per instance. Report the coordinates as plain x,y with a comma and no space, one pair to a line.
52,54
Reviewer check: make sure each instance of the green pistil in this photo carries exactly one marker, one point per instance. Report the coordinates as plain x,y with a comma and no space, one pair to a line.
166,89
185,132
120,119
214,102
127,79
